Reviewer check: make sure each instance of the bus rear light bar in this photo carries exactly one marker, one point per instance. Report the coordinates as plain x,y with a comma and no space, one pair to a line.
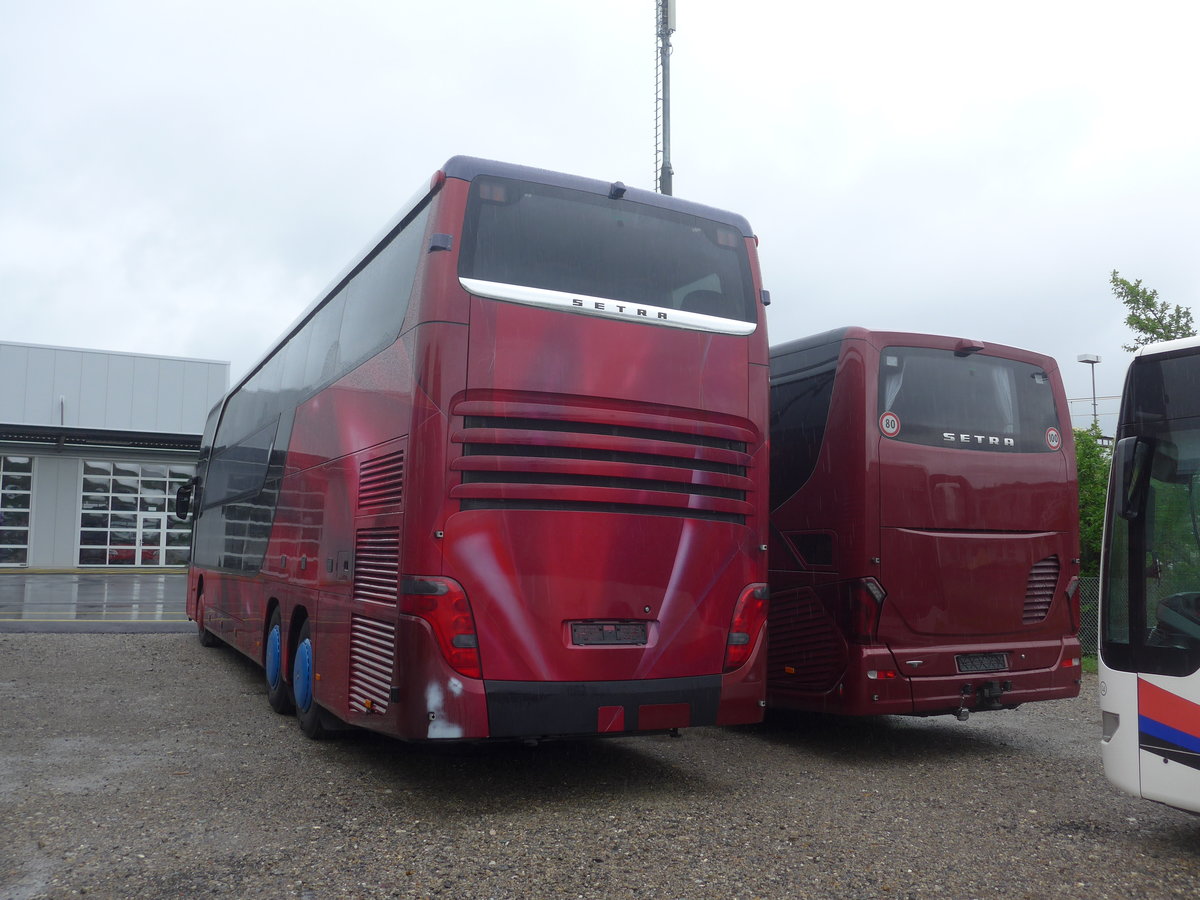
443,604
749,618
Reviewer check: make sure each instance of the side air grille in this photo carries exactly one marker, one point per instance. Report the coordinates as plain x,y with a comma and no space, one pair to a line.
372,657
1039,591
805,649
377,564
380,481
546,456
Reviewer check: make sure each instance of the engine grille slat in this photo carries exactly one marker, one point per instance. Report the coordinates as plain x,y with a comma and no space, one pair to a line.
805,649
522,455
381,481
377,564
372,659
1039,590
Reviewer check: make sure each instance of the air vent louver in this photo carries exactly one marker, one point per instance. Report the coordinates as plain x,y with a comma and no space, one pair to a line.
377,564
1039,591
372,658
380,481
558,456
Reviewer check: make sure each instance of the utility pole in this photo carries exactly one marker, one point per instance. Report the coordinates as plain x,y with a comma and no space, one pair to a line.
665,25
1091,359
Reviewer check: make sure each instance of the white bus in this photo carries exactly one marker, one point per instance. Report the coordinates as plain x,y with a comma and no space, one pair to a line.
1150,586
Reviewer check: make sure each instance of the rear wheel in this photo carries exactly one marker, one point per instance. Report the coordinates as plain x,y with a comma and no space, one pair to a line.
308,713
279,692
207,638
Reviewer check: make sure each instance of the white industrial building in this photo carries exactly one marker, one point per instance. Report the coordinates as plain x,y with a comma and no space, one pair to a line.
93,445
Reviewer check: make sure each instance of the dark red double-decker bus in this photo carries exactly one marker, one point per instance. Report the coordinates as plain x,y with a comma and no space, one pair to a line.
924,517
506,477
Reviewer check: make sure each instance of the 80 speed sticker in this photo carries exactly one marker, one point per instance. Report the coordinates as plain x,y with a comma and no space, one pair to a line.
889,424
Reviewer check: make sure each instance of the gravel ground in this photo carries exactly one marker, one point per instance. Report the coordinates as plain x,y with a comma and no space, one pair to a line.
147,766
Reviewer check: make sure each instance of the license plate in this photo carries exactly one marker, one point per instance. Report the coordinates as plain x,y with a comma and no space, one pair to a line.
982,662
587,634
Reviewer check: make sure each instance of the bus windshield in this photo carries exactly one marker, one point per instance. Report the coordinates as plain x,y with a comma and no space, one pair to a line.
575,242
1152,614
944,399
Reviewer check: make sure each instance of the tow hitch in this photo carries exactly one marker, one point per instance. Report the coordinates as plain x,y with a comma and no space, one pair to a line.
987,696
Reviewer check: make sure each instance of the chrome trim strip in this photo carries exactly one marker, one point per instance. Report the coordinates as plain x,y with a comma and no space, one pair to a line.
605,308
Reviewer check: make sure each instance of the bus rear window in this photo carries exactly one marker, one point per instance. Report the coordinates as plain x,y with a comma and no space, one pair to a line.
974,402
553,238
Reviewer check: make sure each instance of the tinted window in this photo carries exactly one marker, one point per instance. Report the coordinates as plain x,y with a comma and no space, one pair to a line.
377,298
973,402
540,236
240,469
801,390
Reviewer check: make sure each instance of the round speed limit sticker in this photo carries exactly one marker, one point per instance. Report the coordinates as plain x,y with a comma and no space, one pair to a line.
889,424
1053,438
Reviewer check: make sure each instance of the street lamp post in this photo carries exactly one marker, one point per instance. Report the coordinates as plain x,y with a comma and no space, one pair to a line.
1091,359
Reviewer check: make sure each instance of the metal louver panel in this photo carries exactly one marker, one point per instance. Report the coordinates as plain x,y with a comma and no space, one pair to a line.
555,455
1039,591
377,564
380,481
805,650
372,657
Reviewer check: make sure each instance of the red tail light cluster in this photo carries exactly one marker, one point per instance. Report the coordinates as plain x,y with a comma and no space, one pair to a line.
866,602
1073,603
443,604
749,617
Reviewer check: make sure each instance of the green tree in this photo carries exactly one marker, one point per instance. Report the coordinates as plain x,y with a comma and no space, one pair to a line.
1092,460
1151,319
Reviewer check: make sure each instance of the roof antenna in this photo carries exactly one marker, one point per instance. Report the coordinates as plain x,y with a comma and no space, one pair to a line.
616,191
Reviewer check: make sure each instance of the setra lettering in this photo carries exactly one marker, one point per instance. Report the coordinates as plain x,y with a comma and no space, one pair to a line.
601,306
954,437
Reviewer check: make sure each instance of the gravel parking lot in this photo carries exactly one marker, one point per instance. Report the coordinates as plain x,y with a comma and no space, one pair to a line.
147,766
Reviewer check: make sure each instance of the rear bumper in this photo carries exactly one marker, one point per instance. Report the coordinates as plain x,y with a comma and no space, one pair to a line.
540,708
859,694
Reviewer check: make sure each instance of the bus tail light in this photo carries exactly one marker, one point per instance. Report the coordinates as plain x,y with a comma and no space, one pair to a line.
866,601
749,617
443,604
1073,602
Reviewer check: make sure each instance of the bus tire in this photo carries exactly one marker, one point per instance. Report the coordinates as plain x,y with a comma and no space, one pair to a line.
207,638
279,692
308,712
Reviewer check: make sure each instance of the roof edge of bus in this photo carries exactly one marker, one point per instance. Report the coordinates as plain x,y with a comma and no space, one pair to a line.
887,335
816,340
467,168
1167,346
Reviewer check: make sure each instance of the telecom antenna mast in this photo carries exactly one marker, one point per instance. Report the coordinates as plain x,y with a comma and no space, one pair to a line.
665,24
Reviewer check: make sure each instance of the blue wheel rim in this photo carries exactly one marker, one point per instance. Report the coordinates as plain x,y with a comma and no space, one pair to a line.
274,657
302,676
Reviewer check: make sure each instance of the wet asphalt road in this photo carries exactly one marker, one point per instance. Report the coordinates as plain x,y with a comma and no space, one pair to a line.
93,602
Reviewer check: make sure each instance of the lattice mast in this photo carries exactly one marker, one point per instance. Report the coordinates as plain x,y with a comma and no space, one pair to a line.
665,26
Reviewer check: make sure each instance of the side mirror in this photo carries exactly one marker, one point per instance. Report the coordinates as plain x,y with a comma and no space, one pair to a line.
1131,473
183,500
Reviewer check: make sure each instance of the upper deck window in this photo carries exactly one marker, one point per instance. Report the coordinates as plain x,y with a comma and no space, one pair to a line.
974,402
587,245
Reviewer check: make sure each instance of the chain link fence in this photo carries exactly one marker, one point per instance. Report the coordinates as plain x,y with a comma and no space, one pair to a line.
1089,614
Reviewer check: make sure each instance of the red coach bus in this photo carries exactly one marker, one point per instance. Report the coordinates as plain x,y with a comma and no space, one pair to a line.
506,477
924,551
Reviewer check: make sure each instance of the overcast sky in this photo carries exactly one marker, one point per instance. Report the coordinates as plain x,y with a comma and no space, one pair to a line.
184,177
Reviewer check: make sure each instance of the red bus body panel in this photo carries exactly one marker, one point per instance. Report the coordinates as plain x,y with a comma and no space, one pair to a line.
954,537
